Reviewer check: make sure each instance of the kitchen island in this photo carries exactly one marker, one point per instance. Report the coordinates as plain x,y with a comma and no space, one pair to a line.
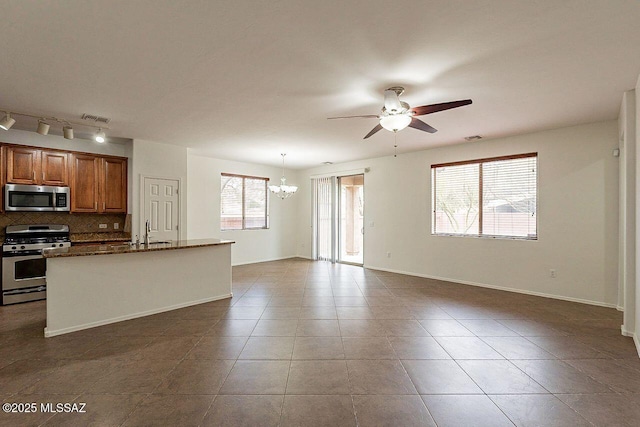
89,286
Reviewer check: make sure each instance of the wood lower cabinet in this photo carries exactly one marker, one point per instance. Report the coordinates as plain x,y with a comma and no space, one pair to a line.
98,184
38,167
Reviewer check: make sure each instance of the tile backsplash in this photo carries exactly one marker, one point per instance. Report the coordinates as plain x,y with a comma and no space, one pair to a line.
78,223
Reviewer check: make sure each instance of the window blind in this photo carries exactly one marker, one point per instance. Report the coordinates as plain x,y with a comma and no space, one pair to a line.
243,202
494,197
323,214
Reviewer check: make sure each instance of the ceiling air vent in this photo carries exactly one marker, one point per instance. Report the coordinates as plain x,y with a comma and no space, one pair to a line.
94,118
473,138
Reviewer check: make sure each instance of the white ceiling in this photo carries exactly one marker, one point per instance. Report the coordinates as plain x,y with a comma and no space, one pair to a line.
247,80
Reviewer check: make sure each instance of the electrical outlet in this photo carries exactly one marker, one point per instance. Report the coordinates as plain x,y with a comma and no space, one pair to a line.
552,273
116,226
388,254
102,225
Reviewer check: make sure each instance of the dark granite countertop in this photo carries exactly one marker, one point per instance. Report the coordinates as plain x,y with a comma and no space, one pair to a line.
125,248
100,237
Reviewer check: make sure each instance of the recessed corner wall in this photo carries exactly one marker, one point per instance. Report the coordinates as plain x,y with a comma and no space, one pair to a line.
577,217
276,242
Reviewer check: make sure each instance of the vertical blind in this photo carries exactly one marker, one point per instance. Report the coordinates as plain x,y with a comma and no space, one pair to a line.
494,197
243,202
323,205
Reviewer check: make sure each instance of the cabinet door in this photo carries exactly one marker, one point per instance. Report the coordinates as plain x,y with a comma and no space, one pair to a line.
114,185
22,164
54,168
84,183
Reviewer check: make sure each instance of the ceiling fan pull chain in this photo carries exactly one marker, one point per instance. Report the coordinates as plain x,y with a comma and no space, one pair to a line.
395,144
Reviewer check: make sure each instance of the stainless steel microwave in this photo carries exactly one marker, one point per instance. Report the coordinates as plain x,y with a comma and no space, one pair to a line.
36,198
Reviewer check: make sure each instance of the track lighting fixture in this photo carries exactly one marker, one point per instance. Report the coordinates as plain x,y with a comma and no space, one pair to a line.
100,136
44,124
7,122
67,131
43,127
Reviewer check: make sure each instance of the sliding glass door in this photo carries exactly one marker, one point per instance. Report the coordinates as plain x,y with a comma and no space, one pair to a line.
351,215
338,219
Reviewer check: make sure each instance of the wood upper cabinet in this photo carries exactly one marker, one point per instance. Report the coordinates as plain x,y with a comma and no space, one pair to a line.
33,166
98,184
54,168
114,185
84,183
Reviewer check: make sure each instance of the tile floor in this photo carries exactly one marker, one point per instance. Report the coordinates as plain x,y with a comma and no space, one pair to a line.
313,344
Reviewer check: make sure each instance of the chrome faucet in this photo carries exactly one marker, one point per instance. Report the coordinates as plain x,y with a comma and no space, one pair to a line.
147,230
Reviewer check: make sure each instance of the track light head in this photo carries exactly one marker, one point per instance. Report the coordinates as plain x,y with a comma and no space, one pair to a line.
67,131
43,127
100,136
7,122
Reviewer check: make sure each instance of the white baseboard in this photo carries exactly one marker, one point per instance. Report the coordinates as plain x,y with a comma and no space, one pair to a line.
500,288
53,333
637,343
264,260
625,332
619,308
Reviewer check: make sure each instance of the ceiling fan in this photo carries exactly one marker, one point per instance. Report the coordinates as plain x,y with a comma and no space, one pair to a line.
397,115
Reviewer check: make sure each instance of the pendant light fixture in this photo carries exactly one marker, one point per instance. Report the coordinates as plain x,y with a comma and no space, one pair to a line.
283,190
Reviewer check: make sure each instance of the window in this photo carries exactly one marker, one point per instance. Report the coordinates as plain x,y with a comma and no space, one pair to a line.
489,197
243,202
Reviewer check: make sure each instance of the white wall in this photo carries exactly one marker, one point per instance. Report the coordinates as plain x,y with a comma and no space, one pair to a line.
157,160
577,217
637,201
203,199
627,206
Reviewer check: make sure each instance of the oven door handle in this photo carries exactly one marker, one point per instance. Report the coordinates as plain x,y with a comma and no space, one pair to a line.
32,254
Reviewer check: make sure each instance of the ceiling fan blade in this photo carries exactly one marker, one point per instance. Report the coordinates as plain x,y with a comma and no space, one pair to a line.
419,124
391,101
367,116
434,108
374,130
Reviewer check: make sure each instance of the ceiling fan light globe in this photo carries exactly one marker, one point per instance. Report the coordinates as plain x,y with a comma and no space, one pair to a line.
395,122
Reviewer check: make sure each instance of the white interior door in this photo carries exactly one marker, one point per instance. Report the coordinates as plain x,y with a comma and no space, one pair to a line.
161,208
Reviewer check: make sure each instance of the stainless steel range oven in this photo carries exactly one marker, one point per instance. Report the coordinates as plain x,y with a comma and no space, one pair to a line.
23,266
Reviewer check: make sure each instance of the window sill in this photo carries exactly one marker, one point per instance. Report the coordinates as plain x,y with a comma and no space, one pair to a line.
475,236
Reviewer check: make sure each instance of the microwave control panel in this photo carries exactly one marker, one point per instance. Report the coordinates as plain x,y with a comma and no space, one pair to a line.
61,200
